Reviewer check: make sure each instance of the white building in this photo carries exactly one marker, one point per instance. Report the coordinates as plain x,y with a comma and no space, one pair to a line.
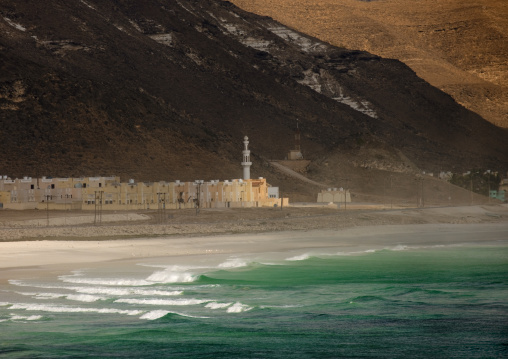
246,163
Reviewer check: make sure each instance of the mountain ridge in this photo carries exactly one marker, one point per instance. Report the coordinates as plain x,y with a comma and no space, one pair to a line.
459,46
167,90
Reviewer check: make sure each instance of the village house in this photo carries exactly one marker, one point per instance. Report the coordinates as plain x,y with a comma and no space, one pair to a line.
334,195
87,192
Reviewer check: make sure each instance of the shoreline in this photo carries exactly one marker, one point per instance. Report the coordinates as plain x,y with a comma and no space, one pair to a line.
338,232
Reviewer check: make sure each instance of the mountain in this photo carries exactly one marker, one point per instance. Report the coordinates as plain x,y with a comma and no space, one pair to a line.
459,46
159,89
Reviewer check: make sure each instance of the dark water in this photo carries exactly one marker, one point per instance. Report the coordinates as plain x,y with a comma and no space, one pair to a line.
447,302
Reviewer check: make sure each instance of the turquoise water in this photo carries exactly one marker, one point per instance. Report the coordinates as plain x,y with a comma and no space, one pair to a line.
447,302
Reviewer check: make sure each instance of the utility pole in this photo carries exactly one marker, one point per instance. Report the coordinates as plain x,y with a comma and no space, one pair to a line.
423,197
471,188
391,196
98,208
345,192
420,203
198,183
449,193
161,207
47,209
65,208
488,179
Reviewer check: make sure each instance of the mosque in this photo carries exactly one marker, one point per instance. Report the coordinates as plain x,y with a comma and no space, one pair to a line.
86,193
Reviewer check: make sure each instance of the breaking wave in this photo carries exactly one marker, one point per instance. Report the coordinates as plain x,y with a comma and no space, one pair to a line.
179,302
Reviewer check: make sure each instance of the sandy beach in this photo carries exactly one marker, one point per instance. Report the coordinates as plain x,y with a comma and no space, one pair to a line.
25,245
70,288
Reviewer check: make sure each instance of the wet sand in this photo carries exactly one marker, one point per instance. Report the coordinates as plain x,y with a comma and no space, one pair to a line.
28,249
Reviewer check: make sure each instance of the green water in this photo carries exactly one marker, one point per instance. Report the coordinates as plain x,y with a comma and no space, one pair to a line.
439,302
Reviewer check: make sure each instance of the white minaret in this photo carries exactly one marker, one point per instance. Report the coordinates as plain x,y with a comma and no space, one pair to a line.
246,159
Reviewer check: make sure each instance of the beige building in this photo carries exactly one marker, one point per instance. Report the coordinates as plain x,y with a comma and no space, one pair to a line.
334,195
110,194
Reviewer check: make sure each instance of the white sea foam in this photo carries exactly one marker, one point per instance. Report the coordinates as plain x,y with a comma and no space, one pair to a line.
3,304
76,297
196,287
233,263
69,309
98,290
78,277
355,252
88,294
41,295
189,316
301,257
399,247
179,302
270,264
125,291
85,298
105,281
171,276
403,247
19,283
109,289
238,308
215,305
48,295
77,273
30,317
174,267
154,314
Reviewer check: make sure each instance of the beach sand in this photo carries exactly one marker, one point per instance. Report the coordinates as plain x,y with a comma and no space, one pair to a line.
26,248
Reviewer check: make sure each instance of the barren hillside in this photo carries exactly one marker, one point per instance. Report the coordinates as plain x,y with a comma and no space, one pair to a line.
459,46
159,89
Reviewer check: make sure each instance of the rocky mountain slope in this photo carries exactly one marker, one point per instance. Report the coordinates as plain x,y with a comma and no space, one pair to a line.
161,89
459,46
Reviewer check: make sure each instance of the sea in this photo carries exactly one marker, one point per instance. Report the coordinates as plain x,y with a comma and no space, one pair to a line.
402,301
